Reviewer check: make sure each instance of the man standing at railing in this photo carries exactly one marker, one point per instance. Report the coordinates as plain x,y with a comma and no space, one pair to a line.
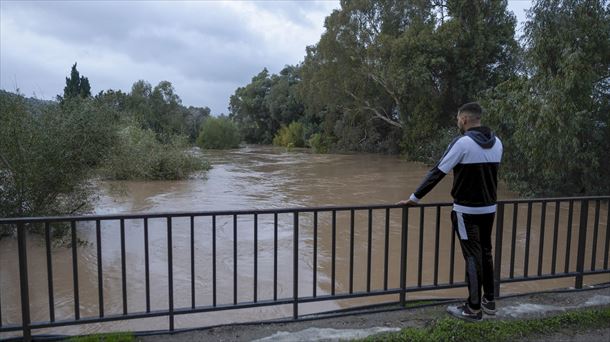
474,158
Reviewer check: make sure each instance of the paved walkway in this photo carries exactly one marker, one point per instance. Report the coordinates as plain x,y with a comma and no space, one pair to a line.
363,324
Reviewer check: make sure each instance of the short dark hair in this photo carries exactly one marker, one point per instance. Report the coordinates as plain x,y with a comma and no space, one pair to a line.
472,109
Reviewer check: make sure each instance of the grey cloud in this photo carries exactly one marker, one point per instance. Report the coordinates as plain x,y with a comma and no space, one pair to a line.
295,11
206,45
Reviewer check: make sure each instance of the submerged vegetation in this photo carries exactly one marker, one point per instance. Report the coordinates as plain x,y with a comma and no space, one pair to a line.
388,77
51,150
218,133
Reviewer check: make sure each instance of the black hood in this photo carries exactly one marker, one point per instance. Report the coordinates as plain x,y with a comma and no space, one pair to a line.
482,136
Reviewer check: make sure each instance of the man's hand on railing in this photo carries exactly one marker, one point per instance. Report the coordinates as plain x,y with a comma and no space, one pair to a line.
407,202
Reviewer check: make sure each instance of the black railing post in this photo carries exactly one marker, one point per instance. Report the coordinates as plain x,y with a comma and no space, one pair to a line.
170,273
23,283
498,248
582,237
403,256
295,267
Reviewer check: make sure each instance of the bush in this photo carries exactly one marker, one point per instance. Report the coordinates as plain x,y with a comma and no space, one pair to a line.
218,133
320,143
47,155
290,136
138,154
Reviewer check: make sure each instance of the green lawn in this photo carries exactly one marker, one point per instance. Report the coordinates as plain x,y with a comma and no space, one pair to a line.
451,329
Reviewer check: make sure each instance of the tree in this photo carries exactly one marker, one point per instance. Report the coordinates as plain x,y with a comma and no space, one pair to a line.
46,156
76,86
250,112
218,133
556,116
393,72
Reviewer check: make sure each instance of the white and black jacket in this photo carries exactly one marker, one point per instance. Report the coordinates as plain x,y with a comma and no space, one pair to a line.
474,158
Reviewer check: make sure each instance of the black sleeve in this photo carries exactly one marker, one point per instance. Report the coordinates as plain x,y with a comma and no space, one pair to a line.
432,178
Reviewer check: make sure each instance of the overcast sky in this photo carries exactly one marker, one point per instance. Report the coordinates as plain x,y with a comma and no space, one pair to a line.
206,49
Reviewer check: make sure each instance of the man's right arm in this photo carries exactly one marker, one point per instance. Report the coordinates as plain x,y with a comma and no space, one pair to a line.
451,157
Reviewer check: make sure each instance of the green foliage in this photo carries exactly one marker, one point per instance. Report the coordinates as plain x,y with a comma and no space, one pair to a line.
218,133
555,118
160,109
76,86
138,154
450,329
110,337
290,136
320,143
266,104
392,73
47,155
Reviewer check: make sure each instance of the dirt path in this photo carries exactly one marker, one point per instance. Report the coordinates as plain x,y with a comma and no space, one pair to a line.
362,324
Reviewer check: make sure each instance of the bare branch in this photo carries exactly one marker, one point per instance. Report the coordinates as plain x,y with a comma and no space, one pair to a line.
375,111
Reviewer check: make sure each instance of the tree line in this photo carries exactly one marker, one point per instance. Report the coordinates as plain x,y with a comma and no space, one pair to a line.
51,152
387,76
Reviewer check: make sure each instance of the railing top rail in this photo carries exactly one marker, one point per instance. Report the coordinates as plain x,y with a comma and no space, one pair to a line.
130,216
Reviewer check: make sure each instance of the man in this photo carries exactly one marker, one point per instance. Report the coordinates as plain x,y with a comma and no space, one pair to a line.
474,158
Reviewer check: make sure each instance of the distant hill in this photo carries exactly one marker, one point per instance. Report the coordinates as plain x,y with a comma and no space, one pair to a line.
32,103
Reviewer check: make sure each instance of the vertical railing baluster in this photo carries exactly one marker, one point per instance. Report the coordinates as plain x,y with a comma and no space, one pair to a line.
386,247
100,278
315,253
75,271
513,241
274,256
170,273
47,236
0,300
123,267
369,252
235,259
333,251
607,247
452,256
146,264
526,262
213,260
498,250
569,236
542,229
192,262
403,255
351,251
582,242
555,234
23,283
255,292
420,257
436,243
595,229
295,267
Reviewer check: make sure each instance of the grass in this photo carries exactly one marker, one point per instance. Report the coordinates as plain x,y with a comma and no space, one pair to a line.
451,329
111,337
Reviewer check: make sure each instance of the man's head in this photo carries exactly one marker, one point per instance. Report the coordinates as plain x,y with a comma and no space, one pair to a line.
469,115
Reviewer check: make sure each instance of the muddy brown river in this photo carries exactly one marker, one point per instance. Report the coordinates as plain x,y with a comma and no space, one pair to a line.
261,177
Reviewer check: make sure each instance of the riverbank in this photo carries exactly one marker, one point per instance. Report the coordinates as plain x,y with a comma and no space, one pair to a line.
366,323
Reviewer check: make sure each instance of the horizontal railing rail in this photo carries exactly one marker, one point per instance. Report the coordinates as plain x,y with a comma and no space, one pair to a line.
336,253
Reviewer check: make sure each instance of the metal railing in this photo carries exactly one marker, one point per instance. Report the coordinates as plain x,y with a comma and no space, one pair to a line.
530,246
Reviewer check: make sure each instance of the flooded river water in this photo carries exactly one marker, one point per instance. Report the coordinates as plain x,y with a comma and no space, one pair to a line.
260,177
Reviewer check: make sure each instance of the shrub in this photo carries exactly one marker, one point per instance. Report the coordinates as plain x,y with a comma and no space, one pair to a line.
218,133
47,154
138,154
290,136
320,143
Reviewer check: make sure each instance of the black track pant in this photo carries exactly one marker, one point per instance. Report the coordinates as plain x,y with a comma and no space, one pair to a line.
474,232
